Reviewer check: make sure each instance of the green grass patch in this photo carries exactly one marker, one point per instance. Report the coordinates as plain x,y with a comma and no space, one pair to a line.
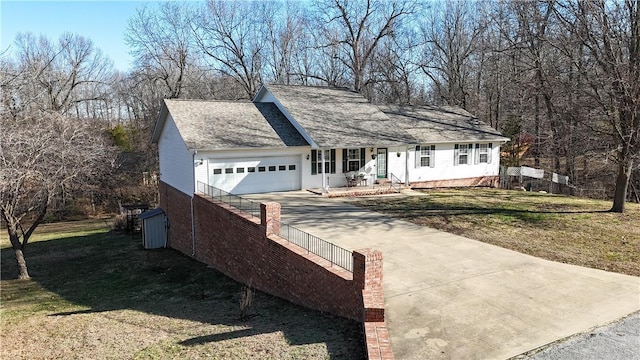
561,228
95,294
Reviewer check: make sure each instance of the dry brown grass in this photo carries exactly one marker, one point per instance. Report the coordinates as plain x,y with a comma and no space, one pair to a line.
566,229
99,295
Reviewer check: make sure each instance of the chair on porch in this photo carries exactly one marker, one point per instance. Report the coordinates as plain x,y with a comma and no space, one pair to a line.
352,179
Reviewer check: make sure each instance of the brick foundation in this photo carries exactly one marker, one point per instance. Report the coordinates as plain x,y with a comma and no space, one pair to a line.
481,181
244,248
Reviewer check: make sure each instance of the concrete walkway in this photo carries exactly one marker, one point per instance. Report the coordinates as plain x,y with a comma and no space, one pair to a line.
449,297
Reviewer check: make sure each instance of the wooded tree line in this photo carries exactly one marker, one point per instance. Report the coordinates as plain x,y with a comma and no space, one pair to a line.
563,73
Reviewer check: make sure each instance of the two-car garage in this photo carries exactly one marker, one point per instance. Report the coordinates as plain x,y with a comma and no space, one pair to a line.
255,175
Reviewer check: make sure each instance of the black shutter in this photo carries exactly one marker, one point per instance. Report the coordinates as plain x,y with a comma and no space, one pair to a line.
362,159
344,160
333,161
314,162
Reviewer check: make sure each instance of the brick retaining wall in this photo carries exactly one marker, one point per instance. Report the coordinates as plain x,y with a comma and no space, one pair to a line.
177,206
238,245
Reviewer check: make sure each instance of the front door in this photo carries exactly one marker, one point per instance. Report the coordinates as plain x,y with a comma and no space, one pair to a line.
381,163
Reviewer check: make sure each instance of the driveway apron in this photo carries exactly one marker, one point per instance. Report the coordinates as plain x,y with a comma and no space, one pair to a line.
450,297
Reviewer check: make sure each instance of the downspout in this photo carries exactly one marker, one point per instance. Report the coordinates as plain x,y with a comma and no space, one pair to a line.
193,220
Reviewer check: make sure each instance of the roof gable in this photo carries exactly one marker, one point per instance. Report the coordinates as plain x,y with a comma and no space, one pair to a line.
215,125
337,117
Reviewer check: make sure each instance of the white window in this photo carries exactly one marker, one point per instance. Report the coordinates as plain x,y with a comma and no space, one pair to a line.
425,156
462,153
353,159
329,161
483,153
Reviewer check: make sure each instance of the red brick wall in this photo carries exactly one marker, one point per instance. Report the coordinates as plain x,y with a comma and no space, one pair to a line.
486,181
177,206
237,244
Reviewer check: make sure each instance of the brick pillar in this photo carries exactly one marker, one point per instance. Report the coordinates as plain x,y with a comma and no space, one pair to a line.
367,275
270,217
367,268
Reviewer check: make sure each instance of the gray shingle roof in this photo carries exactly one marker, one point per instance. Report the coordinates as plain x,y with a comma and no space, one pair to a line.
212,125
336,117
428,124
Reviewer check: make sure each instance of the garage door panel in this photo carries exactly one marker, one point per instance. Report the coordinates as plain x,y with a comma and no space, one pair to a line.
243,176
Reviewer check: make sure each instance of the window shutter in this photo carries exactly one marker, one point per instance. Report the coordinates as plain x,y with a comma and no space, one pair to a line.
470,154
417,162
314,162
489,151
432,156
344,160
477,155
456,153
333,161
362,160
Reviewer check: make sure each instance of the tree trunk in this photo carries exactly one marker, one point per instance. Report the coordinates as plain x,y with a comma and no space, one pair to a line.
622,182
17,249
16,244
22,264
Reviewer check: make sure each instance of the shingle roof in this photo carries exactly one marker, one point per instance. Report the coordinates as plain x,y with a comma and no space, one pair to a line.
151,213
428,124
337,117
212,125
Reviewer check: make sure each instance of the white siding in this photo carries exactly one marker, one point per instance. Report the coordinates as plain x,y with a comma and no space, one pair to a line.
339,178
176,161
247,157
397,164
201,169
444,165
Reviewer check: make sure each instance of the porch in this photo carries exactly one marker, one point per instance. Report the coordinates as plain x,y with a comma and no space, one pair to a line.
361,188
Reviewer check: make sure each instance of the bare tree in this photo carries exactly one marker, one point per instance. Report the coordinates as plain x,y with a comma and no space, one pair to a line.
40,153
232,36
357,27
287,39
46,151
162,43
451,37
62,74
610,33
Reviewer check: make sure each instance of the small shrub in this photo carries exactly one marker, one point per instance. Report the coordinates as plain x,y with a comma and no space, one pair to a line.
119,223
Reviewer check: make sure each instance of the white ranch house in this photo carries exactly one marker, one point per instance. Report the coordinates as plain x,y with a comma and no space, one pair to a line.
297,137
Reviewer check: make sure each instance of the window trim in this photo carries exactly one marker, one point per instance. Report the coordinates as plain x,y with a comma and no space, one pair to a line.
330,163
480,151
346,160
431,156
457,153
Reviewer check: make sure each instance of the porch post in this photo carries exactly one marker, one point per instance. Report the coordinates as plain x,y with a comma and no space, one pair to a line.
406,167
324,179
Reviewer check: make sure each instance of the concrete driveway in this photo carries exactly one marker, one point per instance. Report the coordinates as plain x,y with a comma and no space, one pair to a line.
449,297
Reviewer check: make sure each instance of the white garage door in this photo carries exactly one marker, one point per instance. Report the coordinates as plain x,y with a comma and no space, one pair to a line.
259,175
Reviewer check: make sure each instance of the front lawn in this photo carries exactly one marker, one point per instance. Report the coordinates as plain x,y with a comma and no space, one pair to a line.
566,229
98,295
